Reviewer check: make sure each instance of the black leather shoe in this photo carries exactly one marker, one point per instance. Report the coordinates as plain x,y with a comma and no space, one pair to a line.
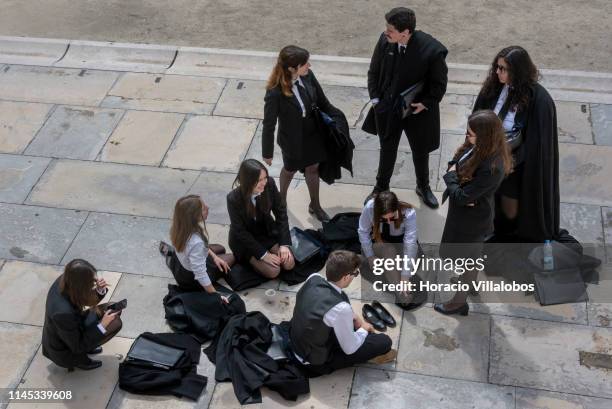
427,196
441,308
384,314
408,306
319,214
370,315
88,366
97,350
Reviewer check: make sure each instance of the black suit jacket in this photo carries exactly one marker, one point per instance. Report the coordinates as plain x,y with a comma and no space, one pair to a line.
288,112
471,206
66,336
424,61
241,238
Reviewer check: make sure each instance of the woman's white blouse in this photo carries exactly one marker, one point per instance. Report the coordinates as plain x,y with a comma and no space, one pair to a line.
509,119
193,258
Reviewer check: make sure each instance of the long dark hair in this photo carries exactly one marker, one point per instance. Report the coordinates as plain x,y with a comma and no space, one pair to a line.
186,221
490,142
246,180
387,202
522,76
290,56
78,282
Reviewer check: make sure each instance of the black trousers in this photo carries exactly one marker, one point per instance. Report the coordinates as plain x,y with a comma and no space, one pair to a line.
373,346
389,128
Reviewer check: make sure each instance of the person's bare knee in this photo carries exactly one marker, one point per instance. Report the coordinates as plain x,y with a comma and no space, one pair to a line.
270,271
289,264
509,207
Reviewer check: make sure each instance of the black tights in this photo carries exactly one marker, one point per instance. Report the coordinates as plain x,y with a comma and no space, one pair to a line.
311,174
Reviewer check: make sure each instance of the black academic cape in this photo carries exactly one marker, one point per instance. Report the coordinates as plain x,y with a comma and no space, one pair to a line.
239,354
200,313
338,144
424,61
539,208
182,380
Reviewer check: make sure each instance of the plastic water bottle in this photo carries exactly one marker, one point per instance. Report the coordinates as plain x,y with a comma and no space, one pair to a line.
547,260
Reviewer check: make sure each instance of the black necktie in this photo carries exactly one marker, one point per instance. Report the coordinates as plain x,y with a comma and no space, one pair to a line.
303,95
402,50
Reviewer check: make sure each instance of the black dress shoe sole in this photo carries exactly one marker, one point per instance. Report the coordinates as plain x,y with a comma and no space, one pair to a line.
463,310
370,315
410,306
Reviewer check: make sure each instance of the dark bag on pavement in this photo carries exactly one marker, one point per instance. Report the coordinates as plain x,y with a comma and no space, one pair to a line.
560,286
302,245
145,352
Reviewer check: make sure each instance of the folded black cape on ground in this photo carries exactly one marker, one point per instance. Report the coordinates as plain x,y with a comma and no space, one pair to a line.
239,354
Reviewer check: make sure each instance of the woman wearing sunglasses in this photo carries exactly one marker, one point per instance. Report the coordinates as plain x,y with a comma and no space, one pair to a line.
387,228
474,174
528,199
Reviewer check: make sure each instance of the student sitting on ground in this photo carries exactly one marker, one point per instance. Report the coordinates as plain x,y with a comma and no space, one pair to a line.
325,333
199,264
255,236
73,326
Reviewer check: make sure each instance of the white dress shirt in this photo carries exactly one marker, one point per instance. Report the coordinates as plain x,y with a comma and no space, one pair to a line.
509,119
296,92
340,318
193,258
100,326
408,229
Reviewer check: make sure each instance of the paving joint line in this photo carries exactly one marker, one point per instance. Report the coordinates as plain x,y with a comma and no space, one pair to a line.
177,134
75,236
50,113
110,134
37,180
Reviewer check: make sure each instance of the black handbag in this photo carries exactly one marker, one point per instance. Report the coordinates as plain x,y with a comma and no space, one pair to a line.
145,352
407,97
302,245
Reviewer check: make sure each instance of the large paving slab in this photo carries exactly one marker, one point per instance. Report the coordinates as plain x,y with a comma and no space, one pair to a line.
109,187
276,305
168,93
90,389
37,233
122,243
18,175
394,390
438,345
145,311
367,142
142,138
454,112
55,85
213,187
544,355
254,152
584,174
601,117
350,100
242,98
584,222
326,392
534,399
18,344
573,122
75,133
126,400
19,122
26,284
211,143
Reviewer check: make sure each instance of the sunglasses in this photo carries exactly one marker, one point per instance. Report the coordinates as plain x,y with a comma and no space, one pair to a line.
501,68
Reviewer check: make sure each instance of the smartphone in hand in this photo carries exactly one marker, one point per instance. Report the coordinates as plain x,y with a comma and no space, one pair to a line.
118,306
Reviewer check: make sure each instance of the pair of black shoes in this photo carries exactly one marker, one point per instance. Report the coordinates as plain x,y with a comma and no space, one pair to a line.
378,316
90,363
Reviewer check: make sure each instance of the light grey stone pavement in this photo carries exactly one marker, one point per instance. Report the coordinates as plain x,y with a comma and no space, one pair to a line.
92,161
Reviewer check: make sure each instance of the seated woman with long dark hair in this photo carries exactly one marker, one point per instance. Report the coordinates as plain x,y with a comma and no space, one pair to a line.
199,263
475,173
529,197
74,326
255,236
384,224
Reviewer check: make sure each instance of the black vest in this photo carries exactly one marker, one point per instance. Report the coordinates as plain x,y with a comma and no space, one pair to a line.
311,339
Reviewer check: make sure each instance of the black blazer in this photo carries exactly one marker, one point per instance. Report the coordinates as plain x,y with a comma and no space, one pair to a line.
471,206
289,114
67,337
241,238
425,61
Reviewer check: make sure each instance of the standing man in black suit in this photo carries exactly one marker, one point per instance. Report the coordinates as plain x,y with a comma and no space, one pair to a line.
402,58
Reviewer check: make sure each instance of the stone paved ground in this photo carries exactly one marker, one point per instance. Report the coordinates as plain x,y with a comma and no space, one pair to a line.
92,161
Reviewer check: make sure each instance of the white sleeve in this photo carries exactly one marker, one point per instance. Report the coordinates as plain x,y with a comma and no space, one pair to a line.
197,253
410,240
365,229
340,318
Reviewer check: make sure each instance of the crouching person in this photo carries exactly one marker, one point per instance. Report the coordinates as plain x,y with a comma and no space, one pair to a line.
325,333
74,326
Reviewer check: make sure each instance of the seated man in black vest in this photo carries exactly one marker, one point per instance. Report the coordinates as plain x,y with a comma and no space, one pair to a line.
325,333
